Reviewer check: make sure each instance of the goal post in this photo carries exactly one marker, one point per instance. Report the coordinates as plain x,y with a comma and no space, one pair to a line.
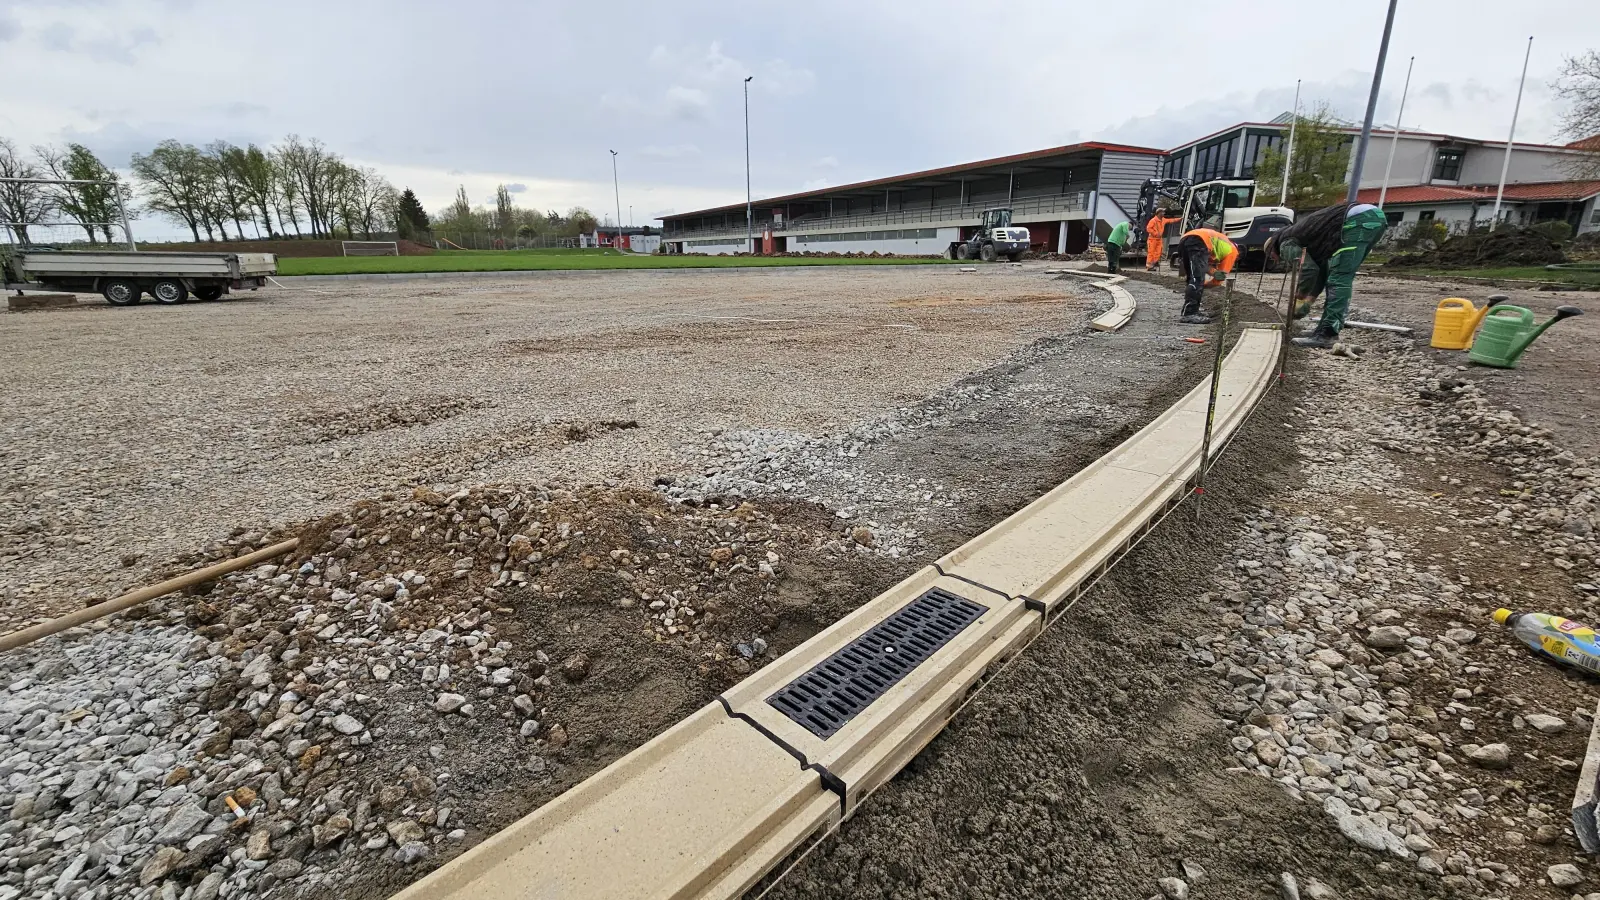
370,248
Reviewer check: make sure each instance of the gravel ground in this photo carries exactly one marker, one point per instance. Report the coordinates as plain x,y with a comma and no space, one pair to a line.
1293,691
129,436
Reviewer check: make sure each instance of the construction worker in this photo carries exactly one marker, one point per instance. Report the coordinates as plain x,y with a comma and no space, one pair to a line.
1336,240
1116,242
1155,239
1205,256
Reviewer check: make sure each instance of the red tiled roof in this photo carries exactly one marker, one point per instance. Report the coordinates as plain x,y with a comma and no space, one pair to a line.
1438,193
1592,142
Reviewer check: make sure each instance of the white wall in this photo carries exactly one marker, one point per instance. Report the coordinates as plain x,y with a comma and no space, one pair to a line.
934,246
1455,216
1591,216
738,245
1413,161
1482,165
644,243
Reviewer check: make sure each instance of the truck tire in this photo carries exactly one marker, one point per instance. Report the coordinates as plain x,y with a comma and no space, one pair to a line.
119,292
169,291
963,251
1015,257
208,293
987,253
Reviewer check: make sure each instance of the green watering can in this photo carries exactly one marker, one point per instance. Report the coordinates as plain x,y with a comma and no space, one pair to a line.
1507,331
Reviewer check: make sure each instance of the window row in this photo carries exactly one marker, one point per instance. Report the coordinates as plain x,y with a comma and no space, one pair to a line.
905,234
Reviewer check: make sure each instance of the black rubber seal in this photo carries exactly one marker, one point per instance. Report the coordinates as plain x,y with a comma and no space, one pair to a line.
830,781
977,584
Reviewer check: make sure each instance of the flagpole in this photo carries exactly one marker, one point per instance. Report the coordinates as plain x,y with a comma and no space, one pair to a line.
1395,139
1505,165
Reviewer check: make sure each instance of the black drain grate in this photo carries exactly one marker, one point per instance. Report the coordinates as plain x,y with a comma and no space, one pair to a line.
836,689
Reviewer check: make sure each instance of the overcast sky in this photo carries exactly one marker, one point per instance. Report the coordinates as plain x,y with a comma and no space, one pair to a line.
534,94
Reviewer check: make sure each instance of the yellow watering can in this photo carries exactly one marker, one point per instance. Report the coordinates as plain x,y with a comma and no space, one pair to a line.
1456,319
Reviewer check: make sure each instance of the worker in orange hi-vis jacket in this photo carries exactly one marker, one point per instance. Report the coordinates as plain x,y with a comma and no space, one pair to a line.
1205,256
1155,239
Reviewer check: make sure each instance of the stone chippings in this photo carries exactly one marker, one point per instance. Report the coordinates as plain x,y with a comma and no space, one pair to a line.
318,693
1331,626
827,468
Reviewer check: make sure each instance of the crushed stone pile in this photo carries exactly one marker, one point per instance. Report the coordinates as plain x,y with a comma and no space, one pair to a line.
1518,247
362,705
1367,678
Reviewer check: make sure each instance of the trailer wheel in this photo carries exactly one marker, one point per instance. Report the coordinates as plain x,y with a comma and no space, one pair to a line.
987,253
963,250
120,293
208,293
169,291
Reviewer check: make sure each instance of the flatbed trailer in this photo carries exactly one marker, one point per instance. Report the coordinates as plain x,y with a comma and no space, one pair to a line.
123,277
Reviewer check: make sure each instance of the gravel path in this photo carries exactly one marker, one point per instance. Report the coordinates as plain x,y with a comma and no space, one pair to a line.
129,436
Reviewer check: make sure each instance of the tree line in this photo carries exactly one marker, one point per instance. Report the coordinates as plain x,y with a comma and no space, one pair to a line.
296,188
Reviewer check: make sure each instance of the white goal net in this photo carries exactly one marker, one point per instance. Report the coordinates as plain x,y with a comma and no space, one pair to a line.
370,248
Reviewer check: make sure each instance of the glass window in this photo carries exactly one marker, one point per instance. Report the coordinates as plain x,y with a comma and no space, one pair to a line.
1394,218
1425,216
1240,197
1255,147
1447,165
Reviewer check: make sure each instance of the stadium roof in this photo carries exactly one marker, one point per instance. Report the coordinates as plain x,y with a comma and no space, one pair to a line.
944,173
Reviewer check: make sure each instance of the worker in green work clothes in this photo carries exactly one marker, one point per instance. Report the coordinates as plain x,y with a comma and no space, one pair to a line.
1335,240
1115,244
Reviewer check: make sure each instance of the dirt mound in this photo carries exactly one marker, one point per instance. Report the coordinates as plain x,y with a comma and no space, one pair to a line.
1519,247
425,669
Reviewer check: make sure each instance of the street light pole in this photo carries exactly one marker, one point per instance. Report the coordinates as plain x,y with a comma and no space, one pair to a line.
618,192
1372,105
749,220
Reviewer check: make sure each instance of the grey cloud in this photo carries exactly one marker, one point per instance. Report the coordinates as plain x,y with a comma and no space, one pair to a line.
517,188
9,28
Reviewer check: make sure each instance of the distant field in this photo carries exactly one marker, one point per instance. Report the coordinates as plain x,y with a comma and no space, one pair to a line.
526,260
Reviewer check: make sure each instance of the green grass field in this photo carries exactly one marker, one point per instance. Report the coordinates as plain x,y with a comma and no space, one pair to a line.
537,260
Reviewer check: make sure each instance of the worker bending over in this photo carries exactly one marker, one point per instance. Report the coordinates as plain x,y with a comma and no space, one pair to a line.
1116,242
1336,240
1204,256
1155,242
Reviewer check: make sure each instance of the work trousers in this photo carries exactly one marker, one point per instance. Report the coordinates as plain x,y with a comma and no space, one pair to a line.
1113,257
1194,259
1337,276
1152,251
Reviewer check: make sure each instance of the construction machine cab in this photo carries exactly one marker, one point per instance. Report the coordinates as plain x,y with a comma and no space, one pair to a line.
996,218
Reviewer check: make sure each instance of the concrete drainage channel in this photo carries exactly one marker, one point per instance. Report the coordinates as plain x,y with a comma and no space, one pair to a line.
713,804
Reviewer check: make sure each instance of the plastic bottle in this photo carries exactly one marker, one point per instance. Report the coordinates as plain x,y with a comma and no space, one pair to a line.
1563,640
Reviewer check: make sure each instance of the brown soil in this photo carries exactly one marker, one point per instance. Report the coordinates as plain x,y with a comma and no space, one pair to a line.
1495,248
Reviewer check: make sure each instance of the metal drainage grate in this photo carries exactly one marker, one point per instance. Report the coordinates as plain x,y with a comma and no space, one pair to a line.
836,689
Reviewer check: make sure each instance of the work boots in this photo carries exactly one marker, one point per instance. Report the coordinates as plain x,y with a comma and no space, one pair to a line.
1323,338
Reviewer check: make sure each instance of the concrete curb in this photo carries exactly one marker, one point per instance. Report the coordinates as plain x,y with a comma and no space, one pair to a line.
1123,305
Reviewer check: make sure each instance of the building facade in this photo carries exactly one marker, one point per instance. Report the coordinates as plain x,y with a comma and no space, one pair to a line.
1063,195
1433,177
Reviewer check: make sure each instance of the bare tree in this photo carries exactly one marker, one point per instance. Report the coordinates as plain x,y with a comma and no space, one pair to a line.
376,200
1579,85
226,167
505,212
310,166
252,170
176,184
21,204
